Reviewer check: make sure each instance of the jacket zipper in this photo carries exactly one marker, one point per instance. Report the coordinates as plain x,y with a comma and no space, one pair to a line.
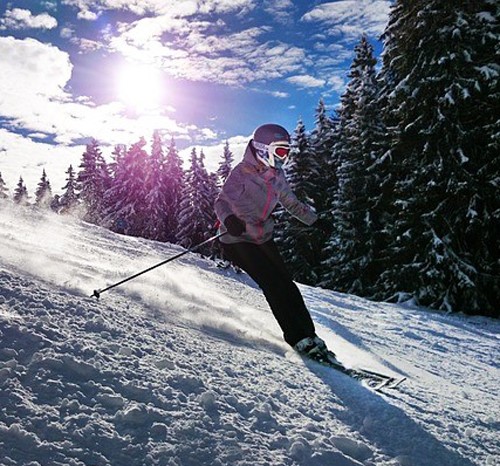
260,233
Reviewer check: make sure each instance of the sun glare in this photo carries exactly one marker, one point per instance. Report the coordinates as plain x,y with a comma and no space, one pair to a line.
140,87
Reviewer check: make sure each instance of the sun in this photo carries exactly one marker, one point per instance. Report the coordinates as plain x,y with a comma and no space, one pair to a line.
139,87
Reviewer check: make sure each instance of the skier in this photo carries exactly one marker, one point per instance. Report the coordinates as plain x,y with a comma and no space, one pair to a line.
251,192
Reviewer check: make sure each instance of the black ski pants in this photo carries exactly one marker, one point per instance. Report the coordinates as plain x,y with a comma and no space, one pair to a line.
265,266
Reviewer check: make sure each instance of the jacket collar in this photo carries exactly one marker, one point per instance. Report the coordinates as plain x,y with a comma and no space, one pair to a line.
259,167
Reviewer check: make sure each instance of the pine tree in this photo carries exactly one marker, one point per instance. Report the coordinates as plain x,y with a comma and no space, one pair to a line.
3,189
389,168
93,181
43,194
445,244
208,192
156,196
318,167
353,252
68,202
21,196
322,140
302,169
188,213
173,181
118,153
301,245
225,165
55,203
115,168
196,216
125,199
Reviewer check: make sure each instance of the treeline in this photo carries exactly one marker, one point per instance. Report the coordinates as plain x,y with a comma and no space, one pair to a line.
137,194
409,166
407,169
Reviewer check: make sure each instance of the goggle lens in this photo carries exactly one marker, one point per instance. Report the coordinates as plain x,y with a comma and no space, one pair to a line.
282,151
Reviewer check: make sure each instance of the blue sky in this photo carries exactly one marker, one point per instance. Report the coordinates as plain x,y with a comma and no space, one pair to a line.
202,71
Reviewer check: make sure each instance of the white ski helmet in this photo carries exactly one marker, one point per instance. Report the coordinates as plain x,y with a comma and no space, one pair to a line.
271,144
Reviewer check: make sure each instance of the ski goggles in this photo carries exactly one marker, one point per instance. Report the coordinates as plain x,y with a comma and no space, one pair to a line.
279,149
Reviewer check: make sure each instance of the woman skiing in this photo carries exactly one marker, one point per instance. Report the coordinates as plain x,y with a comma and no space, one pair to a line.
251,192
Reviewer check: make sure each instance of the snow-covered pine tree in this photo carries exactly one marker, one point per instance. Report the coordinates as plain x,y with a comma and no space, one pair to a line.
206,193
209,190
323,159
225,165
351,257
117,155
173,181
43,194
301,245
125,199
55,203
445,244
188,213
93,181
116,167
156,194
303,168
21,196
196,221
68,202
3,189
389,168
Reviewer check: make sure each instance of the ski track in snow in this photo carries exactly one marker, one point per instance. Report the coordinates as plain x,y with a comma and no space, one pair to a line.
186,365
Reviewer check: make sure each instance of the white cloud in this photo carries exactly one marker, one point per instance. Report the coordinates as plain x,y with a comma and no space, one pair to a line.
204,51
337,83
213,153
281,11
18,18
21,156
87,15
226,6
87,45
84,45
209,133
351,18
335,51
32,68
280,94
91,9
34,99
67,32
306,81
49,4
189,47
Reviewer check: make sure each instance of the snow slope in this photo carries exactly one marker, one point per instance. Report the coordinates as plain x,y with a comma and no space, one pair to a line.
186,366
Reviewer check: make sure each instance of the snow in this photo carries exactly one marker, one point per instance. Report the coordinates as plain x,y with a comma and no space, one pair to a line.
186,366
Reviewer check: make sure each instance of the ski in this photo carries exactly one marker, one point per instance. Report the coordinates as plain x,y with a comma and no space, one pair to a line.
392,382
376,381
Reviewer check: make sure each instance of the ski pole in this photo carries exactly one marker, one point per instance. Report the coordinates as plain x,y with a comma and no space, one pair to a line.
97,293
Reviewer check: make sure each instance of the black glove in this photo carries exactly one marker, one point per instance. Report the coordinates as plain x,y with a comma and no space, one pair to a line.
324,225
235,226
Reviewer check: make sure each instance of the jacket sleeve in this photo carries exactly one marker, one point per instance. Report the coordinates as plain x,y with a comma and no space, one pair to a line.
298,209
232,190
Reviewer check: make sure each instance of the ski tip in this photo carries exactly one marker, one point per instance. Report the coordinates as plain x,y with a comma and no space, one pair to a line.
390,384
397,382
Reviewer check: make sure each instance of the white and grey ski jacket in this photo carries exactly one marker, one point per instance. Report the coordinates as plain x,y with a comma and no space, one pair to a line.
251,192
